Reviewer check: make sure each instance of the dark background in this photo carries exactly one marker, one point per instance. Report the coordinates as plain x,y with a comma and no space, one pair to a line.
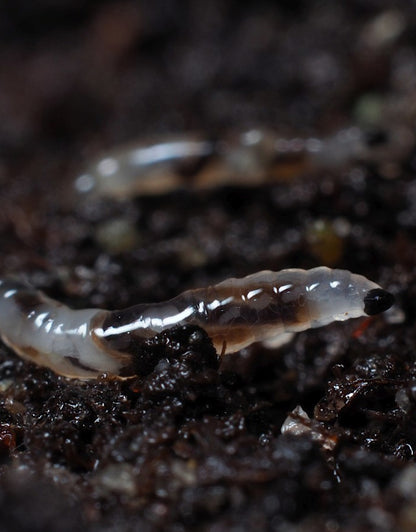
194,444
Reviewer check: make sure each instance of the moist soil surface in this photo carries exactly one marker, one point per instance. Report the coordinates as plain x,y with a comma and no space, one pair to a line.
195,442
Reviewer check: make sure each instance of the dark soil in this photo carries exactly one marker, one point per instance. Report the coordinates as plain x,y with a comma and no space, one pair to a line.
196,444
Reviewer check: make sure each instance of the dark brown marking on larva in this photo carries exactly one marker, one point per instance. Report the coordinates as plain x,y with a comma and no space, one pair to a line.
287,169
190,167
228,313
234,314
29,352
245,311
27,301
78,364
118,318
120,346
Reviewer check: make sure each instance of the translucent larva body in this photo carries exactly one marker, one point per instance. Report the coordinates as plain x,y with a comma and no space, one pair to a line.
246,159
234,313
266,306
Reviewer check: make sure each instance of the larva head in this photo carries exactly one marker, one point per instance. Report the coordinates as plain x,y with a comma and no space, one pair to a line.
337,295
377,300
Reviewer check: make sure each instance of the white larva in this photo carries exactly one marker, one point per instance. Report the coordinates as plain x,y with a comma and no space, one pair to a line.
234,313
266,306
247,159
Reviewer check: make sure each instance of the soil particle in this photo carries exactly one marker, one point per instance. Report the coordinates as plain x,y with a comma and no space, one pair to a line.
195,443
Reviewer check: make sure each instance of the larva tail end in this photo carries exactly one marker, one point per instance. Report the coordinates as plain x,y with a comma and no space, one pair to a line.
377,301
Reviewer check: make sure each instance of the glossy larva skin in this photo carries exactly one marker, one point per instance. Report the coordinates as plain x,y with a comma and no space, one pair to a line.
266,306
246,159
49,333
234,313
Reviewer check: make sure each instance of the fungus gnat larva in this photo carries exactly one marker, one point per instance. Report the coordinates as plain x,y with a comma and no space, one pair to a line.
247,159
234,313
265,306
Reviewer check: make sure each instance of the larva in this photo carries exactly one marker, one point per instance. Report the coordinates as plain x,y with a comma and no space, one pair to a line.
234,313
247,159
266,306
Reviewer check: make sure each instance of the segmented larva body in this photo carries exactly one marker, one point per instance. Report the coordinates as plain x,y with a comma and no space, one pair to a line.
234,313
246,159
266,306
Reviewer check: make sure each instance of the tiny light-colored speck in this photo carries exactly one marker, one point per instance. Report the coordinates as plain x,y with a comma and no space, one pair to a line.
405,482
118,478
84,183
185,472
293,425
108,167
402,400
394,315
117,235
368,109
5,384
384,29
342,227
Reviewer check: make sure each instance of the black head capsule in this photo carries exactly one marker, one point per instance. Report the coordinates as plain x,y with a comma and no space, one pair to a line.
377,300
